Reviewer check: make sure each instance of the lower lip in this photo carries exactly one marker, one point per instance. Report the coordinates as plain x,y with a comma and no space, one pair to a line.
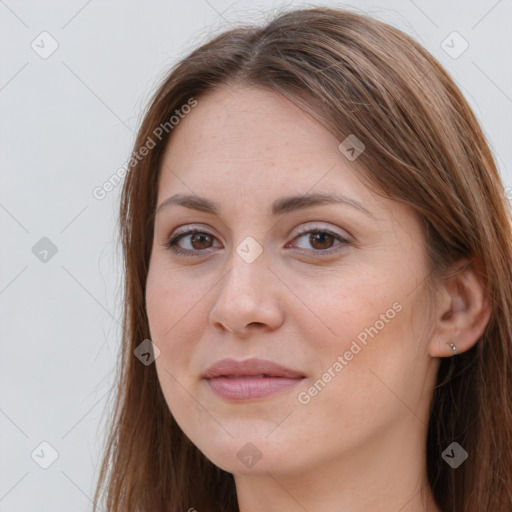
250,388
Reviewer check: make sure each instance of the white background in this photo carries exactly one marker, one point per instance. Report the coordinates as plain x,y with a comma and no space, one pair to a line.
67,124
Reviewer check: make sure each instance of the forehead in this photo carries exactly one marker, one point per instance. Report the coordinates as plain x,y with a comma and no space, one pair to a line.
239,137
247,123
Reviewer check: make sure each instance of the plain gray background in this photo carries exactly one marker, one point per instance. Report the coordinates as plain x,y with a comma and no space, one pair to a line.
68,121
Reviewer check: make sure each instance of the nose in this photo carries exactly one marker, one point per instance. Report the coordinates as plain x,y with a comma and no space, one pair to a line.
247,299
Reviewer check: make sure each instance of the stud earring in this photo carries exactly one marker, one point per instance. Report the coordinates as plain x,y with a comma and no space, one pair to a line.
452,346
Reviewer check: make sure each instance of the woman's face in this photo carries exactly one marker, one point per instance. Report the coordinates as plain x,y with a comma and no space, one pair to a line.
331,290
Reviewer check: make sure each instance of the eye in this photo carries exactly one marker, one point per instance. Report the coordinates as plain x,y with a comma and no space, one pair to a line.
195,240
320,240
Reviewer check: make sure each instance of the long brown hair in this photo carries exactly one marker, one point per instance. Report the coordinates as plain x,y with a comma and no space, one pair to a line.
424,147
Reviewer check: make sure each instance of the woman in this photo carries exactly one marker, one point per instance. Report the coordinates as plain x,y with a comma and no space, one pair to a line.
317,248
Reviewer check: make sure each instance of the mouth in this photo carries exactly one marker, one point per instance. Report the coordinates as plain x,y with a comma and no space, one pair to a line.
251,379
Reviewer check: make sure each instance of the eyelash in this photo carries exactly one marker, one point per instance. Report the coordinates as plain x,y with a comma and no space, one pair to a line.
171,244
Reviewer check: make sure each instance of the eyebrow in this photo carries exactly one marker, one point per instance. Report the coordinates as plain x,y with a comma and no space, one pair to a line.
280,206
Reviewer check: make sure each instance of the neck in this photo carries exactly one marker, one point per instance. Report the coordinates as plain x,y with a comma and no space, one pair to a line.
386,475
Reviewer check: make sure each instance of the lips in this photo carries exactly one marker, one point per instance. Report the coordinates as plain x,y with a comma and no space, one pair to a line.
250,368
250,379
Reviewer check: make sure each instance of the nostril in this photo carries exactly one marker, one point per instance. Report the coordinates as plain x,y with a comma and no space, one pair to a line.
257,323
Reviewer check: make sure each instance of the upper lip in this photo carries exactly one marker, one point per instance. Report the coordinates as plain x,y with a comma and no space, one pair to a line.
249,367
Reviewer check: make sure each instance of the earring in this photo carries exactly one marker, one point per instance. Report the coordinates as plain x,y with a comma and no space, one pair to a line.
452,346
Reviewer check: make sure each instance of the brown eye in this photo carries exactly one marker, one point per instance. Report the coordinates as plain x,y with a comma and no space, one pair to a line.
321,240
201,240
191,242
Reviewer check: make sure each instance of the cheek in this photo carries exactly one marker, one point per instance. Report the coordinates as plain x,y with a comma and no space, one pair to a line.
346,305
174,330
364,330
171,301
170,317
361,375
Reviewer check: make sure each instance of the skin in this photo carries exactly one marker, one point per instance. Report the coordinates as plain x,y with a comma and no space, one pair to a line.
358,444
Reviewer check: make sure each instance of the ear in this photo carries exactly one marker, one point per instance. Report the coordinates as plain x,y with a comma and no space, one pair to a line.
461,313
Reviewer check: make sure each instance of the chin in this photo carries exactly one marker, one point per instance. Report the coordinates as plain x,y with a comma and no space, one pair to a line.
250,455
